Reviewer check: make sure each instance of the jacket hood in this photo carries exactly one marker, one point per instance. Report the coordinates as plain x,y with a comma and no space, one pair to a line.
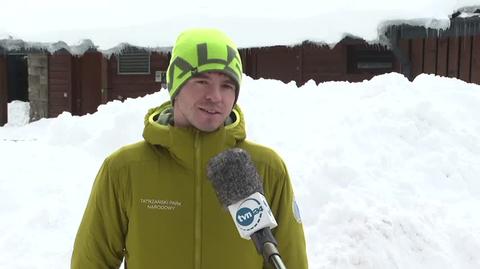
159,131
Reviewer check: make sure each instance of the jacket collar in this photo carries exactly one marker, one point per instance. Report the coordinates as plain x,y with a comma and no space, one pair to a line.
183,143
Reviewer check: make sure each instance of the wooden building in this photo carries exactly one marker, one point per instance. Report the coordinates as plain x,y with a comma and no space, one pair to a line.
81,84
350,60
58,82
410,50
453,52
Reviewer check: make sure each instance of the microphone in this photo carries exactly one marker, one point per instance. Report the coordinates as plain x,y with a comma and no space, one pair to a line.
239,189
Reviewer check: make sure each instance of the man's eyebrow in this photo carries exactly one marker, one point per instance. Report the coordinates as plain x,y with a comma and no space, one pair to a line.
227,79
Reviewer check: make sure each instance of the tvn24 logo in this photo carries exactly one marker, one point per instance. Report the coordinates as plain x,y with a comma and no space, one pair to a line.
249,214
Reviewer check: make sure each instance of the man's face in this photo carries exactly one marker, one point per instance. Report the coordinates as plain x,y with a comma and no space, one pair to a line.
204,102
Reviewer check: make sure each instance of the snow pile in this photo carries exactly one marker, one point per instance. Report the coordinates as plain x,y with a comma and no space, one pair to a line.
18,113
385,171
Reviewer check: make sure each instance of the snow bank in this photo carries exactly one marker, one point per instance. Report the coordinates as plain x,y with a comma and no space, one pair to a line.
385,171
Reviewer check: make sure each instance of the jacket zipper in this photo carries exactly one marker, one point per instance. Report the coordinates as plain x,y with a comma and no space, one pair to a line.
198,203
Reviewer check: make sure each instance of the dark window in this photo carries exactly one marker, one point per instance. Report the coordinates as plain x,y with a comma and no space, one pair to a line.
134,61
369,59
17,77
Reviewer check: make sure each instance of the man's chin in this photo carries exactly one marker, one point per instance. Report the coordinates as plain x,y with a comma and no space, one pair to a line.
208,127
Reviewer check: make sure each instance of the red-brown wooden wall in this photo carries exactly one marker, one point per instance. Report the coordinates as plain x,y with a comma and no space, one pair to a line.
87,82
121,87
75,83
304,62
321,63
475,67
60,66
456,57
279,62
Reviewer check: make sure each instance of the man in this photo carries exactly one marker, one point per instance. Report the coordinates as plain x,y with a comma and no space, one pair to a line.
152,202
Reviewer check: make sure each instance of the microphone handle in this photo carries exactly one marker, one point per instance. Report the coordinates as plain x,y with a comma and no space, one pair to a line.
272,252
266,245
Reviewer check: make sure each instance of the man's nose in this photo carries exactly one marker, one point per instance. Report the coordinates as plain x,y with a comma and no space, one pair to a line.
214,92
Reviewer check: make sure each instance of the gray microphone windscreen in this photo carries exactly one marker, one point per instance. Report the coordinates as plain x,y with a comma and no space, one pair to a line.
233,176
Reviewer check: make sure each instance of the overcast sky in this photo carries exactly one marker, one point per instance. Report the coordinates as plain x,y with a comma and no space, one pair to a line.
150,23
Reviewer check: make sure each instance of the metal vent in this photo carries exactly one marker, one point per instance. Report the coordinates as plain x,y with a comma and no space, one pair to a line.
134,62
369,59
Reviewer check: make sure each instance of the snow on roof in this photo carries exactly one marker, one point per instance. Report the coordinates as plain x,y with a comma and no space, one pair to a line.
109,24
467,12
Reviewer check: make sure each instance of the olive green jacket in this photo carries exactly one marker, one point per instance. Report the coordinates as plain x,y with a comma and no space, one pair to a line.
153,204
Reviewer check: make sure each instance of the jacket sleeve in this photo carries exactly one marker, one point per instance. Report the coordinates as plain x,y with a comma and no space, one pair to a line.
99,243
289,232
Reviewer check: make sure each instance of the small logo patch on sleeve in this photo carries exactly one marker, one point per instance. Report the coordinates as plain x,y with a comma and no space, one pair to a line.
296,211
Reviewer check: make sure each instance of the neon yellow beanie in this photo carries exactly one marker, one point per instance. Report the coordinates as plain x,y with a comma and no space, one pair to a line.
202,50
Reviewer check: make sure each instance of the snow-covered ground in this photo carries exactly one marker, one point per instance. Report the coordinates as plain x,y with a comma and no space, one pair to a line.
386,171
